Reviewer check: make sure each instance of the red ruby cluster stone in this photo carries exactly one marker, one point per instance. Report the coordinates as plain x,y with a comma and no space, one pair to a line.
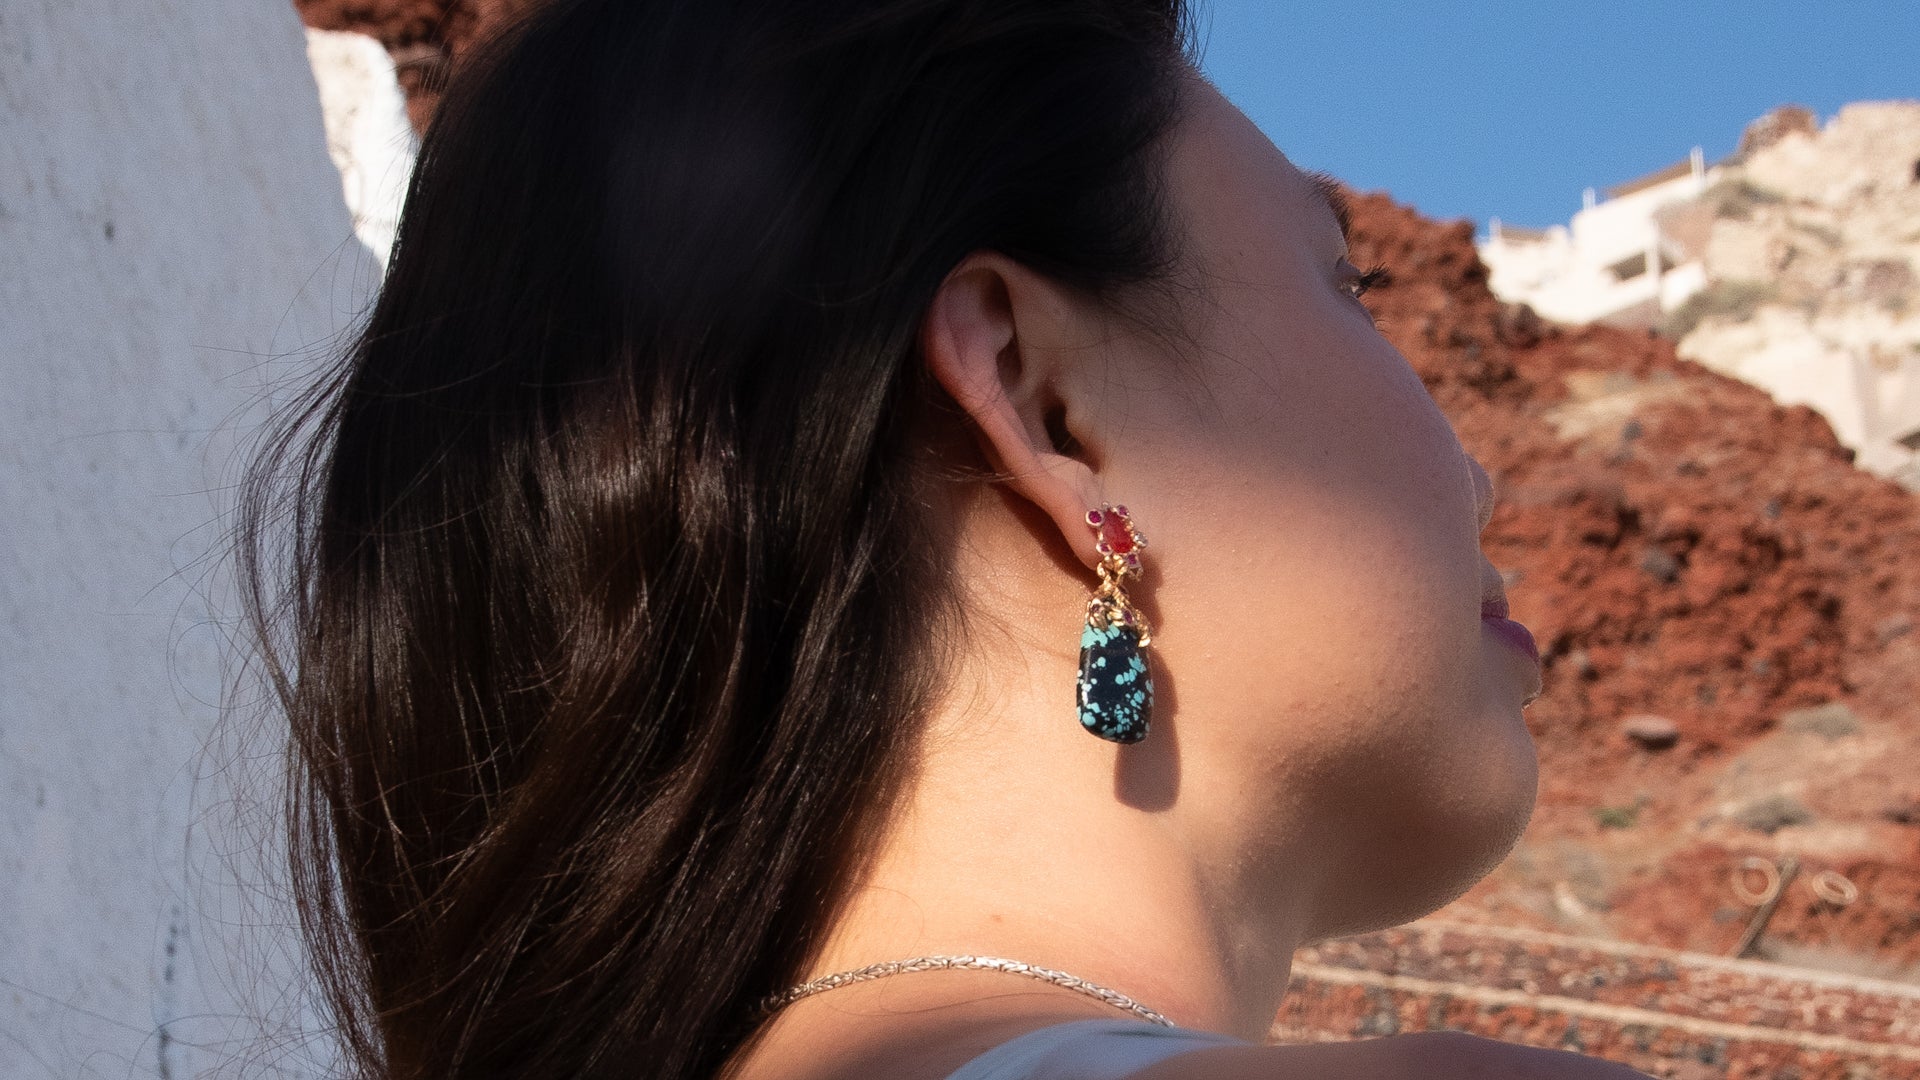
1115,531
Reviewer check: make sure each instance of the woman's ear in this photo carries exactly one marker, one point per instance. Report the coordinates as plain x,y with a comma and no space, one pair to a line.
991,340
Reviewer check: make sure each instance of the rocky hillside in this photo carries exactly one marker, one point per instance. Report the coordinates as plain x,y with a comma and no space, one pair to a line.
1726,606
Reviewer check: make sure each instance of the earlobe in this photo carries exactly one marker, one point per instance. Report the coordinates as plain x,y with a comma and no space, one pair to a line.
982,340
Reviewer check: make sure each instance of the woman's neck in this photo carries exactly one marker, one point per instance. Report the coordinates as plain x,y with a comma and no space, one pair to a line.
1032,841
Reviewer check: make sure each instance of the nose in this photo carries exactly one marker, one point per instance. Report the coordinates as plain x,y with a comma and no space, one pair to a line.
1482,491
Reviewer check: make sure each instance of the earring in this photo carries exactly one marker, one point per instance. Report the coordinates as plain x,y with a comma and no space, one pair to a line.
1115,685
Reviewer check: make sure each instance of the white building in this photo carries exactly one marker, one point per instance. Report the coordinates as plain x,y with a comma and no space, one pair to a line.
1612,264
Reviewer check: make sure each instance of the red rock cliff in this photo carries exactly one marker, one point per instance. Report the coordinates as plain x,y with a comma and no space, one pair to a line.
1682,547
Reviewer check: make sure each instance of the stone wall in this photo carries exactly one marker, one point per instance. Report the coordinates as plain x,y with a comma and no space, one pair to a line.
1671,1014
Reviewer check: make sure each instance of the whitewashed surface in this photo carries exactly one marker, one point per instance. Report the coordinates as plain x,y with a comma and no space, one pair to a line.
173,240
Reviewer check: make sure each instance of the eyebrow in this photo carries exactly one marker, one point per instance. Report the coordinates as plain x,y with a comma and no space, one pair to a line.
1334,194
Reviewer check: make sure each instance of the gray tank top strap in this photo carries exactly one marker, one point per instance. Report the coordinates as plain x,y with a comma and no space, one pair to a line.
1087,1050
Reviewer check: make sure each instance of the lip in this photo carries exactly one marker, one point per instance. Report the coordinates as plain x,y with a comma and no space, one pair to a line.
1494,614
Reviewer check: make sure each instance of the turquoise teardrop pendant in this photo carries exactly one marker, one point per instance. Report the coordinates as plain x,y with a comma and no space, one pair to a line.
1115,689
1116,686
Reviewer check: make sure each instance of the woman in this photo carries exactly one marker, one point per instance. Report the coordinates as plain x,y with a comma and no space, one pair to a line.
722,564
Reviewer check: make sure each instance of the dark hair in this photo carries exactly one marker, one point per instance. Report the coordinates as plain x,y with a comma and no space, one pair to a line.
608,600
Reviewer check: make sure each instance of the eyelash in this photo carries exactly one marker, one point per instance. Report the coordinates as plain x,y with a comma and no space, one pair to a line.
1367,280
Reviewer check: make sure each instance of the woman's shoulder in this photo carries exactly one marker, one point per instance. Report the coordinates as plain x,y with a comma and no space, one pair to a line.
1100,1049
1128,1050
1435,1055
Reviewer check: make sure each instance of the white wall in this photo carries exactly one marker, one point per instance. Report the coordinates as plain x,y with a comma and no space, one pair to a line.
174,238
1564,274
368,135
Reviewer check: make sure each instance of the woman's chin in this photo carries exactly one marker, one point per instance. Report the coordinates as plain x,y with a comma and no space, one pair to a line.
1432,859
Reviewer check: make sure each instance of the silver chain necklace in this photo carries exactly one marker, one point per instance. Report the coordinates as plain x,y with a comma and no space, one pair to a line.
982,963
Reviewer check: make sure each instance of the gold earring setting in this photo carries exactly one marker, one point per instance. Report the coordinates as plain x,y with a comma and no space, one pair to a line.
1115,688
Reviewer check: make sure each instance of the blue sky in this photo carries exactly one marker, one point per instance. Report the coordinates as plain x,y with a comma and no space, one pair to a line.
1508,110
